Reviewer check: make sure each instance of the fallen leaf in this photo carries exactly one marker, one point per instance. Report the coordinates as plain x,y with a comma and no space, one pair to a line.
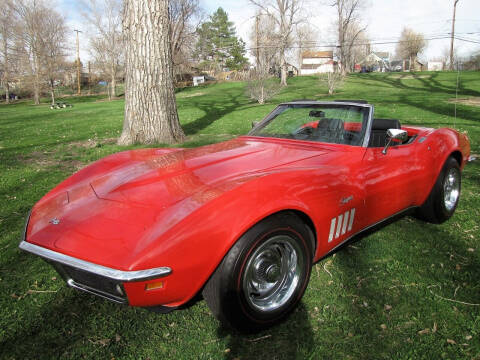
471,249
350,334
434,330
117,338
458,267
227,350
387,307
424,331
383,326
365,304
468,337
450,341
54,278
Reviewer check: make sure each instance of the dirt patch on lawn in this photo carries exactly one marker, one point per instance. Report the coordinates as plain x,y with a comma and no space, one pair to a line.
410,77
190,95
43,160
91,143
473,101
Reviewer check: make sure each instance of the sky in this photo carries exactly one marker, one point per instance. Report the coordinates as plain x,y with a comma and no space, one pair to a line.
384,20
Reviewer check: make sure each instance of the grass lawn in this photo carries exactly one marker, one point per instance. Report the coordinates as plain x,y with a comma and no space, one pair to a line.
396,293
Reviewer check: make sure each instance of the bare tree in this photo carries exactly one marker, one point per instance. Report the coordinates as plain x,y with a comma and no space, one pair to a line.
410,45
305,40
53,50
286,14
446,57
150,107
261,86
332,80
360,49
32,15
184,18
104,18
7,24
348,30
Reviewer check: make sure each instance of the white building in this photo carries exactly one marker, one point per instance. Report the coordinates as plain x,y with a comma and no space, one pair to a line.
314,62
435,66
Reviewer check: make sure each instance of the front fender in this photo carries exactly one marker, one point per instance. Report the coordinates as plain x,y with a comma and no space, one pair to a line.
195,246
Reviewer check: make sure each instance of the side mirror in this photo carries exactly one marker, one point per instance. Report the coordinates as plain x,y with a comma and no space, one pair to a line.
255,123
394,135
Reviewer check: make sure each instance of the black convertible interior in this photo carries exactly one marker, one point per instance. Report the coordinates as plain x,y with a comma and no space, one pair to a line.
378,135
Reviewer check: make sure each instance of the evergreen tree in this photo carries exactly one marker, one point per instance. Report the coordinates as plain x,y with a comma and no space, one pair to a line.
218,47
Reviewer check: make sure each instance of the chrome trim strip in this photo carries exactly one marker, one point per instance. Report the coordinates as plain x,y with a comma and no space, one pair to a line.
366,137
113,274
90,290
339,225
345,221
352,216
332,229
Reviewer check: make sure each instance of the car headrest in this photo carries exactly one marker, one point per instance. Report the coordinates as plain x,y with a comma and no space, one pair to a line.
385,124
330,124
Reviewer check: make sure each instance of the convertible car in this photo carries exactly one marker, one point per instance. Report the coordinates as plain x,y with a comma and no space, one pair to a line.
241,222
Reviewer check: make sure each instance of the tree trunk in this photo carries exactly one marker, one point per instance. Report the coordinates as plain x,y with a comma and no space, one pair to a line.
283,70
52,92
113,82
5,71
150,107
36,80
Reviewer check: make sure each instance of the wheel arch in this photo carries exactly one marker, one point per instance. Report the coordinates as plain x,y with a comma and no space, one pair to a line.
457,155
304,217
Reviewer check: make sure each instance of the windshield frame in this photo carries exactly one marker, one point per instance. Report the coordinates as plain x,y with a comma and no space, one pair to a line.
272,115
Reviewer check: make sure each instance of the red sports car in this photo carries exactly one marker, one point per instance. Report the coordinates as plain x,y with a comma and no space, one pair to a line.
241,222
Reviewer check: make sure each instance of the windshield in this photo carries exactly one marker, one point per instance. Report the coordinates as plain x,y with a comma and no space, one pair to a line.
331,123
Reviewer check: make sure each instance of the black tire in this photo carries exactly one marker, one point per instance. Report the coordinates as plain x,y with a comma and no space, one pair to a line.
438,207
261,256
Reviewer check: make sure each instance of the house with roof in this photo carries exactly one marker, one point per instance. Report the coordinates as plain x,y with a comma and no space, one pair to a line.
376,61
314,62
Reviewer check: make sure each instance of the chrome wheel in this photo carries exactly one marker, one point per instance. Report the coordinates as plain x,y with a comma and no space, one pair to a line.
273,272
451,188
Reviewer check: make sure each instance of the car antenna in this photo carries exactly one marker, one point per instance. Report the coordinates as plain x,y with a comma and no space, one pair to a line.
456,99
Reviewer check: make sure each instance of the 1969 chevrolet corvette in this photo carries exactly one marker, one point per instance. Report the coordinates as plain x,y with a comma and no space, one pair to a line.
241,222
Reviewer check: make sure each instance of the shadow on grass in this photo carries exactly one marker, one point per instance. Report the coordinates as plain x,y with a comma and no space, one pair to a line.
291,339
212,109
416,99
401,287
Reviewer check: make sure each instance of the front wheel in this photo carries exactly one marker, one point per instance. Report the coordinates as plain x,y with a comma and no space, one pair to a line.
443,199
263,277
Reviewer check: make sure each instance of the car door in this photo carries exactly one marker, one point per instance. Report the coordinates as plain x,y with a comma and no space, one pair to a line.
391,180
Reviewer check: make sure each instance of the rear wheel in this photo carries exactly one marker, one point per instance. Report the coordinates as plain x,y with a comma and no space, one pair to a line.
263,277
443,199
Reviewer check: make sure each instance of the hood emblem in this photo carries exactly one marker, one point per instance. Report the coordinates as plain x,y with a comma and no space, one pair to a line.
54,221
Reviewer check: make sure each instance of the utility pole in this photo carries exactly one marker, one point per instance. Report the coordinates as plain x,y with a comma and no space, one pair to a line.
453,33
78,63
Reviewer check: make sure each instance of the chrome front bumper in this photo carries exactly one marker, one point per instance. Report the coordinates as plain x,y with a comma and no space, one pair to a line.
89,277
95,279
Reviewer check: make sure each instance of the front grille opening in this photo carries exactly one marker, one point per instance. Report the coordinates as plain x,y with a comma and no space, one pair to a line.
93,283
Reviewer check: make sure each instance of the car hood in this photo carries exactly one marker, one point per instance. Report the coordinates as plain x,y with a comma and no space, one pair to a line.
111,204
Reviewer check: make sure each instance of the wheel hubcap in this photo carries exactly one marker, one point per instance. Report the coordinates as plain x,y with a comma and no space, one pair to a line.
273,272
451,189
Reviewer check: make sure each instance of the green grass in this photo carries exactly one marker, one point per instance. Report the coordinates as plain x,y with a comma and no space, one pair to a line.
377,298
